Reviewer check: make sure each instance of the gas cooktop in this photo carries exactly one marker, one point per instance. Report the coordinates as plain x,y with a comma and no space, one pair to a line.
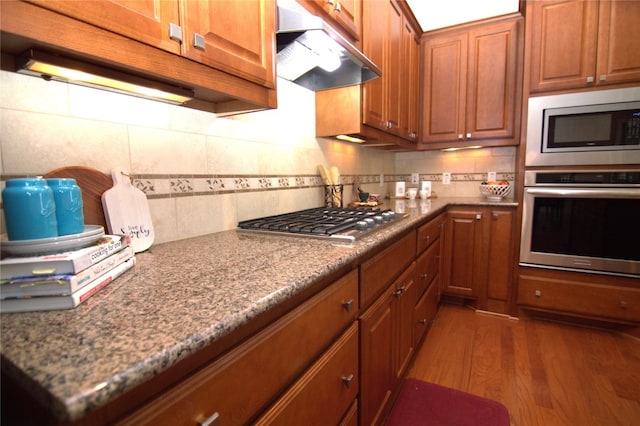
345,224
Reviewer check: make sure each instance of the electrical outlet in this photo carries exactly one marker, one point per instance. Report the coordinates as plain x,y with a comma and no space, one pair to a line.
446,178
415,178
491,176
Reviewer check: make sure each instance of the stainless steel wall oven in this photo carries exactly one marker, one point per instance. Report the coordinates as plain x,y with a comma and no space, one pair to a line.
586,221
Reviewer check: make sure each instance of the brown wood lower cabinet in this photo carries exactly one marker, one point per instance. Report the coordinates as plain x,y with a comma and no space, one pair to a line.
386,345
600,297
324,394
242,383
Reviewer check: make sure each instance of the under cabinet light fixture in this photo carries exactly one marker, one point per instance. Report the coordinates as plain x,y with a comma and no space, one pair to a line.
55,67
350,139
461,148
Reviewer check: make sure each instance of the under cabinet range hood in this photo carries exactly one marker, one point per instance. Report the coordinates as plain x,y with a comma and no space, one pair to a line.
314,55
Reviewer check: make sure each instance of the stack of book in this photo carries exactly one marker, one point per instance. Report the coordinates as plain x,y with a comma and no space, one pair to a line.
64,280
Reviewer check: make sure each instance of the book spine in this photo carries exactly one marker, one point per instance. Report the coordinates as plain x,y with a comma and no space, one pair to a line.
58,285
98,284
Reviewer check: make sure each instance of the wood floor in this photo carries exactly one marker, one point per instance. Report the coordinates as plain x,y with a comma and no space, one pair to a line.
545,373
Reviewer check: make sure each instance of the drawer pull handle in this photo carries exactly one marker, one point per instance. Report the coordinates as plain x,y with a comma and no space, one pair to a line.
623,304
210,421
399,292
424,276
348,305
537,293
423,321
347,380
427,239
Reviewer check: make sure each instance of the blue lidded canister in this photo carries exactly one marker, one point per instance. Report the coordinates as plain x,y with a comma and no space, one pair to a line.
29,209
68,198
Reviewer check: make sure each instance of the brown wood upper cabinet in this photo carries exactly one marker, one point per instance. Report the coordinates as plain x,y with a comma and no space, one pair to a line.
579,44
469,89
382,40
346,15
224,50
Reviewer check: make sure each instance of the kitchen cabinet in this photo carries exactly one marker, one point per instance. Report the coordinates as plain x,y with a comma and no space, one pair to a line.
386,346
409,84
382,42
470,85
478,251
387,296
344,15
578,44
224,50
261,368
592,296
427,275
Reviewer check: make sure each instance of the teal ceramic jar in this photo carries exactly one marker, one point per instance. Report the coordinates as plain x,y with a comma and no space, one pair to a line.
29,209
68,198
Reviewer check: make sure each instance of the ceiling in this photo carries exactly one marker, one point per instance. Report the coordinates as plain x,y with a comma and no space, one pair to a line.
433,14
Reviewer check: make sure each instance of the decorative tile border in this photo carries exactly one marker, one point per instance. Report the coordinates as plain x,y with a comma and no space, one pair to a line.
166,186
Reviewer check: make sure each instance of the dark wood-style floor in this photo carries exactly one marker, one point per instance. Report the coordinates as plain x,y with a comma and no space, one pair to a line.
545,373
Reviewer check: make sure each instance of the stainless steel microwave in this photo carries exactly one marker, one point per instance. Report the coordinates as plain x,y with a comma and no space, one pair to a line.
586,128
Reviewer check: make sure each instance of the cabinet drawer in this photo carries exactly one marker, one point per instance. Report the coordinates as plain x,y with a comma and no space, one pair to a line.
572,297
428,266
240,384
325,392
377,273
429,233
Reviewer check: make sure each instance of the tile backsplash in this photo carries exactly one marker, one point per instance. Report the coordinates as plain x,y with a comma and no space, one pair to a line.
202,173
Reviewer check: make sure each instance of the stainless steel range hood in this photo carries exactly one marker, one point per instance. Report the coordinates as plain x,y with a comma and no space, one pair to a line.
314,55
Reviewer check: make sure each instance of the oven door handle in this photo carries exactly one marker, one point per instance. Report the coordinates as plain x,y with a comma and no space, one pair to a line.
585,192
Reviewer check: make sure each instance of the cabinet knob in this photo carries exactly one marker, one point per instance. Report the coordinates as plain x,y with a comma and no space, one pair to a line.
198,41
537,293
175,32
424,276
210,421
468,135
478,216
423,321
603,77
460,136
427,239
623,304
347,380
338,7
399,292
495,216
348,305
590,79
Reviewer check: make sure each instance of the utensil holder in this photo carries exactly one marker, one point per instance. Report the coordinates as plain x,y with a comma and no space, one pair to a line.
333,195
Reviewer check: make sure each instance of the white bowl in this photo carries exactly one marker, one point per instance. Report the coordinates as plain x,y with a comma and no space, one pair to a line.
495,192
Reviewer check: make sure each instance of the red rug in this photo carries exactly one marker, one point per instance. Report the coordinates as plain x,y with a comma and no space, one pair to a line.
422,403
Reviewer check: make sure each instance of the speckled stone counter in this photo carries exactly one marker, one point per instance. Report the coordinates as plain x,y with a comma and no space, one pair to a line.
180,297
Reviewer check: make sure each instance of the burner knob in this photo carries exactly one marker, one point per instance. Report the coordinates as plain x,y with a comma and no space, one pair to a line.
361,225
392,214
386,216
378,218
370,222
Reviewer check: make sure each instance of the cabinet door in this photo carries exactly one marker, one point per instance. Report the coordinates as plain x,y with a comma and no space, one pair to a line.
409,85
376,337
463,267
499,260
346,13
237,37
146,21
618,42
373,43
491,86
406,296
563,43
444,88
382,43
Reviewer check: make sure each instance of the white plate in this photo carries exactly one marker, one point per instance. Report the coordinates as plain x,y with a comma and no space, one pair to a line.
90,235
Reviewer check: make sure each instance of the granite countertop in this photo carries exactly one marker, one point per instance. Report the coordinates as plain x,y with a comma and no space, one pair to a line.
180,297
